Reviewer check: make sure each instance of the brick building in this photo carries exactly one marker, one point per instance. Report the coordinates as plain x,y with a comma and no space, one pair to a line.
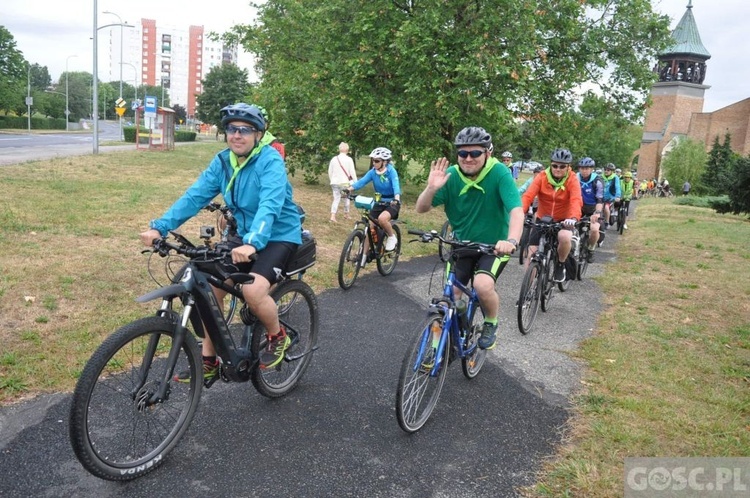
676,108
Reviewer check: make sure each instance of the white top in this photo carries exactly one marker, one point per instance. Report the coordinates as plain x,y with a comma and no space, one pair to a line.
336,173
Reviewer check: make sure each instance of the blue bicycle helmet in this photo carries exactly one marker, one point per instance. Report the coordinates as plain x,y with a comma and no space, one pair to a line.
249,114
586,162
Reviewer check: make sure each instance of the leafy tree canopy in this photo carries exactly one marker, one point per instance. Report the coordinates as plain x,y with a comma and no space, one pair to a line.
409,74
224,84
685,162
14,73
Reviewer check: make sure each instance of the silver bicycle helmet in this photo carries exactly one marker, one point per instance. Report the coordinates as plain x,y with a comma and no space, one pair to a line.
473,135
562,156
381,153
586,162
507,154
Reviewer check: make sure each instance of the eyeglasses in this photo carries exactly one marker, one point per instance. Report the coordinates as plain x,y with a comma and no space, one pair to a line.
463,154
558,166
244,130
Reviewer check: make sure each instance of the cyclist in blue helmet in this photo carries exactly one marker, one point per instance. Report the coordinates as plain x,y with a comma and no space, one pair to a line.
251,176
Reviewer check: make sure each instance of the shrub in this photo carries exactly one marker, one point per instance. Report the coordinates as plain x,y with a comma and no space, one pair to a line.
184,136
129,133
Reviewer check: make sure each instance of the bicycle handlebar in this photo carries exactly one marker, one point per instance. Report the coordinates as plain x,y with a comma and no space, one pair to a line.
462,244
219,253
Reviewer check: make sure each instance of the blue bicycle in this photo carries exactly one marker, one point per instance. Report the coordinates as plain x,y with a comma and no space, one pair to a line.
450,331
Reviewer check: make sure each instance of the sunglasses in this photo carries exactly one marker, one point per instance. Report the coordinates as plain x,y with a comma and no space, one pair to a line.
377,161
558,166
244,130
463,154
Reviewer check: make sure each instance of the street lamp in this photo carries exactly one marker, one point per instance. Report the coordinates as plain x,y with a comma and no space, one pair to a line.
67,99
135,70
95,72
121,30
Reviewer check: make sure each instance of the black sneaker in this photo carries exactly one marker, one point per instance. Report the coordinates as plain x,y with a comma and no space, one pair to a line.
559,272
590,256
274,350
210,374
487,339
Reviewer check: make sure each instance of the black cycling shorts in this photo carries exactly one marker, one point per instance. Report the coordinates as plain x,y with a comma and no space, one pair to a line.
469,263
270,262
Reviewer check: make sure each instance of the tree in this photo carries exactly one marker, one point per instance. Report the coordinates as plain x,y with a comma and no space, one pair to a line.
411,74
224,84
685,162
14,73
180,113
40,78
718,179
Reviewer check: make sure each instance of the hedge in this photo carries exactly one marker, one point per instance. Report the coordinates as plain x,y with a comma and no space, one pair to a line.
37,123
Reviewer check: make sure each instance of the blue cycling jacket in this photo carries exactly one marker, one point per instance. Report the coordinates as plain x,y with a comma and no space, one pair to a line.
260,198
387,184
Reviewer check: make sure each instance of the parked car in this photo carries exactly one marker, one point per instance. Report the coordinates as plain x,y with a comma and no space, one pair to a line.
526,165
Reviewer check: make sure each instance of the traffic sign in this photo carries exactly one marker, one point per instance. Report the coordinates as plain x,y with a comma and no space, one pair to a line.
120,111
120,102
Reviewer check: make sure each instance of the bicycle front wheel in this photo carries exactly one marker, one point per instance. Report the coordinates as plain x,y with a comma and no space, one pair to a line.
351,256
621,220
419,390
583,257
548,281
472,363
524,244
298,314
528,299
444,250
388,259
117,430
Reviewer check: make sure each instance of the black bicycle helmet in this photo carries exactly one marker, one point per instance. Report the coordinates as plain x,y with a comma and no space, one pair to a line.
610,167
246,113
562,156
473,135
586,162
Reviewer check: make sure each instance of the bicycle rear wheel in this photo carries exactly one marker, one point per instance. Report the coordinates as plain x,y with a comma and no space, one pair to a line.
524,244
472,363
298,314
621,220
351,256
528,299
117,432
388,259
418,390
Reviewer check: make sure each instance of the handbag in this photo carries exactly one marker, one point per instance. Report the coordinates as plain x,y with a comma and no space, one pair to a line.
344,170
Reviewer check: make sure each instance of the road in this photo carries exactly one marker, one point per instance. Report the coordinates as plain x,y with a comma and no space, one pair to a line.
336,434
21,147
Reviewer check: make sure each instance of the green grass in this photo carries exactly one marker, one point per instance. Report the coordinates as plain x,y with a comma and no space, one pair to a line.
72,264
668,368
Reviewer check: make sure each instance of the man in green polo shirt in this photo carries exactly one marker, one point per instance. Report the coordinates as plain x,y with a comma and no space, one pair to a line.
481,202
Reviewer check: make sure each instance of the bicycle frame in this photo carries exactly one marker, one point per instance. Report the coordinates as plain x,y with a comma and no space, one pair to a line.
446,305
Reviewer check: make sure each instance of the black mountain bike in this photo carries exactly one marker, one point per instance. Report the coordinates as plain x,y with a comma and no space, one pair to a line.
127,413
538,285
622,216
584,229
353,256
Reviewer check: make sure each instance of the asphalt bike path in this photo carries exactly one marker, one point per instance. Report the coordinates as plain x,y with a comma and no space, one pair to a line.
337,434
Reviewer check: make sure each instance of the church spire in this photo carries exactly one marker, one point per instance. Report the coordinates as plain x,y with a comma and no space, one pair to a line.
685,60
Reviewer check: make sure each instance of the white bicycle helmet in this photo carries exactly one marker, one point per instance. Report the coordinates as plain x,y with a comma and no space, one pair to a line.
381,153
507,154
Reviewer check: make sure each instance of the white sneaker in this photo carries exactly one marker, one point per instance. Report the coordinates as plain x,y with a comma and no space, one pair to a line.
390,242
625,226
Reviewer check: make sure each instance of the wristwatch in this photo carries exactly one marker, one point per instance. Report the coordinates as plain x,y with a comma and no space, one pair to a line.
513,241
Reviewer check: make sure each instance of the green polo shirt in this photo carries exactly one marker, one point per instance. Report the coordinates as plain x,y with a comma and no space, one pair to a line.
479,210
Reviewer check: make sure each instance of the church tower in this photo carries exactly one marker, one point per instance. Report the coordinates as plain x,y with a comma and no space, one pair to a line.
676,95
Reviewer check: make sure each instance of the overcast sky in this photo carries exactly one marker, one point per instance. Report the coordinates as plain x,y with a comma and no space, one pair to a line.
48,31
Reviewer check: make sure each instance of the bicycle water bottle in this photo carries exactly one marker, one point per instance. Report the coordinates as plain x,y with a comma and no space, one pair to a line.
574,241
461,312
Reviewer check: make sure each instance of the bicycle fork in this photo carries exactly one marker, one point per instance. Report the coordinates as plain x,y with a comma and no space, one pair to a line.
434,337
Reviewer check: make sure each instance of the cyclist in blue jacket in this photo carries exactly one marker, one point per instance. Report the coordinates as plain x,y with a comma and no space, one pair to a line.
251,176
612,192
592,192
384,178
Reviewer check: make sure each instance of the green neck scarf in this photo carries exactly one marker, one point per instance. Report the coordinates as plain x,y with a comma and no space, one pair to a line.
558,184
469,183
266,139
